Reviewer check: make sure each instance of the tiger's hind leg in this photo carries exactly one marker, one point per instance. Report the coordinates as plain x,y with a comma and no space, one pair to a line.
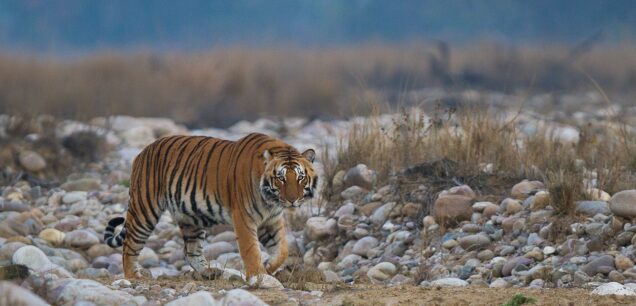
193,237
136,236
273,236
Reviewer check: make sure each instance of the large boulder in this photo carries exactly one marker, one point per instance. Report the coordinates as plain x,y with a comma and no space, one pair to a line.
452,209
623,204
71,291
11,294
31,257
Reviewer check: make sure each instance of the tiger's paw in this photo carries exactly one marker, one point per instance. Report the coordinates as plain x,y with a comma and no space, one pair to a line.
209,273
264,281
138,273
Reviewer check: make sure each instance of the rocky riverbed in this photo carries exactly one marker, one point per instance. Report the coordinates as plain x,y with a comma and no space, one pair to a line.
367,244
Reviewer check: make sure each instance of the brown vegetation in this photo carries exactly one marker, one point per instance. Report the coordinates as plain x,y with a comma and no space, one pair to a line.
225,85
489,153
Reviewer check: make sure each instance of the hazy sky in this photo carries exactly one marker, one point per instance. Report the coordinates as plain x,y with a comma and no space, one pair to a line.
85,25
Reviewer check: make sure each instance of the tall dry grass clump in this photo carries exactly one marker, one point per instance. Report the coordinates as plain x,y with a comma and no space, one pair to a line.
491,148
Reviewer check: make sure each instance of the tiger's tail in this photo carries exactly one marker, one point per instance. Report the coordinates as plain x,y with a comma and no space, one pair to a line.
109,235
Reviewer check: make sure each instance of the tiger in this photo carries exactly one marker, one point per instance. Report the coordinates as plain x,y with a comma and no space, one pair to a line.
204,181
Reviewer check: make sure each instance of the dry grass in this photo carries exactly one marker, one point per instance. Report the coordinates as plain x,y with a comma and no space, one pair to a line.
453,147
222,86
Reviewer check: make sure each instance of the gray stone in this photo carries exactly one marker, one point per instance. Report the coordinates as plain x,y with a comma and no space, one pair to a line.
513,264
623,204
70,291
380,215
344,210
148,258
591,208
74,196
238,297
474,242
319,228
381,272
31,161
353,193
213,250
82,239
202,298
361,176
603,264
500,283
364,245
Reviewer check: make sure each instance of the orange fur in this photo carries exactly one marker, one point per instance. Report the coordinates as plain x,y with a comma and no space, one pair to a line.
204,181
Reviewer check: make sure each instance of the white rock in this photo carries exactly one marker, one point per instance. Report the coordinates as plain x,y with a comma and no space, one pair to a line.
381,272
265,281
121,283
32,257
364,245
613,288
449,282
548,250
240,297
202,298
74,196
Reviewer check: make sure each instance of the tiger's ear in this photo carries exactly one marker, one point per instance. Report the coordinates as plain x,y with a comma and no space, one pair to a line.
267,156
310,155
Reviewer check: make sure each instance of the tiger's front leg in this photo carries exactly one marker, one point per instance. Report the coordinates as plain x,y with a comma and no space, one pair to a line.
248,245
273,236
255,273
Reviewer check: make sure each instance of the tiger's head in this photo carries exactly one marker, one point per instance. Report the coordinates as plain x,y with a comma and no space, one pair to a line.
289,177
